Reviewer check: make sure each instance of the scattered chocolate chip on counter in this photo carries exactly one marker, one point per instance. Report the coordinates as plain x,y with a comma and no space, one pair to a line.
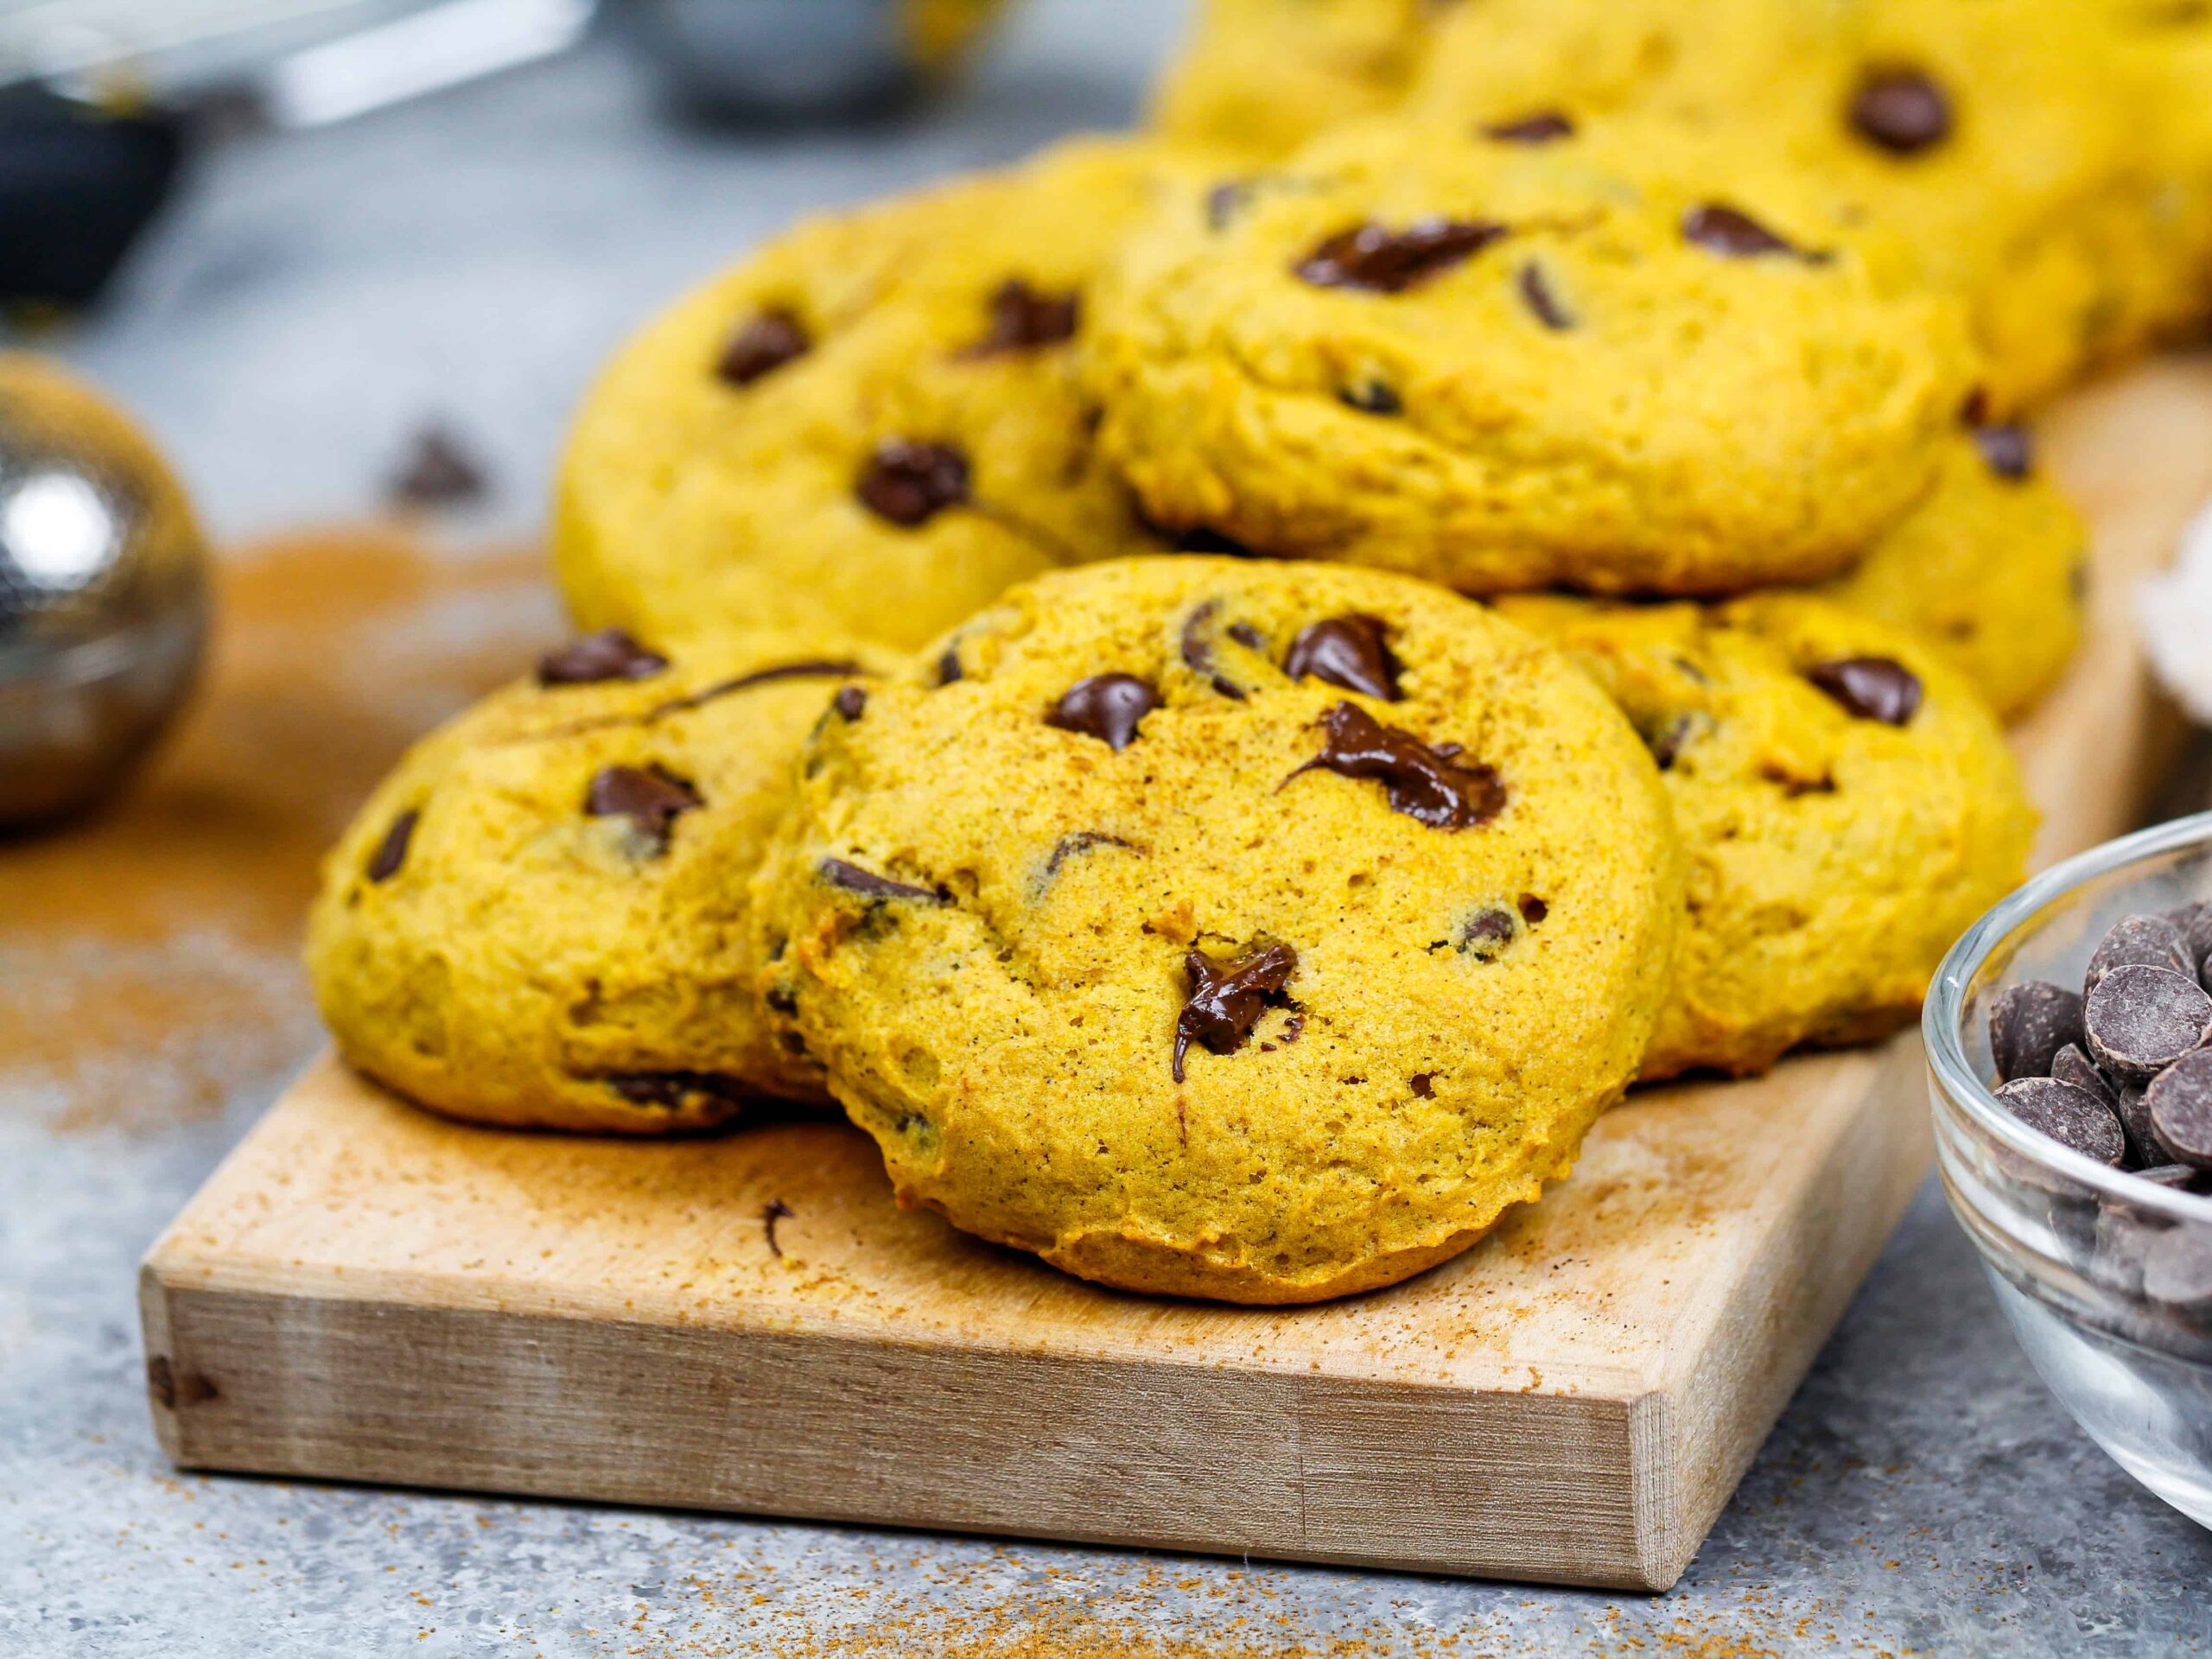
438,472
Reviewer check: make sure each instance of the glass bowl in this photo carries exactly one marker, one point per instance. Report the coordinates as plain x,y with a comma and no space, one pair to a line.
2105,1278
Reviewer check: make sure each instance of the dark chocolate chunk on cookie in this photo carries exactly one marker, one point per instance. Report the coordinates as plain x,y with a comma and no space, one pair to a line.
594,659
1424,782
1901,110
1107,707
1871,688
1227,999
1351,652
909,483
1375,259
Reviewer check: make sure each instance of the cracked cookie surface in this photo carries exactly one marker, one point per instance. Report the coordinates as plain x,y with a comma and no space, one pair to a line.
869,427
538,919
1133,950
1845,804
1502,363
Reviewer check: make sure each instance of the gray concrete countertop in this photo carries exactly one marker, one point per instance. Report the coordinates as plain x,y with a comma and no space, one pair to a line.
471,258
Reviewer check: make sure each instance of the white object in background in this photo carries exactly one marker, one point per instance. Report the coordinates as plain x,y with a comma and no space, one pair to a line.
2173,612
459,40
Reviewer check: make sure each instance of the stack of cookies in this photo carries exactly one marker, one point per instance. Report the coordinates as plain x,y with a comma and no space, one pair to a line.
1224,693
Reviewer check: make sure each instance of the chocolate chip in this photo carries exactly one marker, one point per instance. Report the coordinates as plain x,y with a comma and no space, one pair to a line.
2073,1117
1485,934
761,346
910,483
850,701
1543,304
392,851
1423,1084
2140,1021
2195,924
439,471
2177,1268
1225,200
1542,128
2071,1065
1105,706
2007,451
1735,234
948,666
609,654
1023,320
1227,999
2150,941
1082,841
1532,909
776,1210
652,798
2180,1099
2029,1023
1426,784
866,883
1197,650
1901,110
1371,397
1870,687
2129,1101
672,1088
1351,652
1670,736
1378,260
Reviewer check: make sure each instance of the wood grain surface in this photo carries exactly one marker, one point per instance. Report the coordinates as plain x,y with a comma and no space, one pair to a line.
748,1322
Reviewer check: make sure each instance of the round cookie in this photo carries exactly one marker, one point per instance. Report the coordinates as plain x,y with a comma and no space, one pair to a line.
1844,800
1159,925
539,919
1258,78
2005,145
870,427
1992,568
1507,362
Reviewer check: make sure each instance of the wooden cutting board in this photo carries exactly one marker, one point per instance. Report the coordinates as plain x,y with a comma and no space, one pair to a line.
363,1291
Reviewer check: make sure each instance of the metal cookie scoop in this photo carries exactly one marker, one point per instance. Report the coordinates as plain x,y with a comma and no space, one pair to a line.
103,594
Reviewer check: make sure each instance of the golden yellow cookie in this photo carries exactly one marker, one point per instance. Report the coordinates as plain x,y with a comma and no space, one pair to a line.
1844,800
1992,568
1505,362
2015,150
539,919
869,427
1161,923
1258,78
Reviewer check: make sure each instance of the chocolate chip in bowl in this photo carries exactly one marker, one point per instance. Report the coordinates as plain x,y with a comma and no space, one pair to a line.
2074,1135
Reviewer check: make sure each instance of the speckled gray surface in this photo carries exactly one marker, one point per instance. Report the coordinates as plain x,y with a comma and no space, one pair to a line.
471,258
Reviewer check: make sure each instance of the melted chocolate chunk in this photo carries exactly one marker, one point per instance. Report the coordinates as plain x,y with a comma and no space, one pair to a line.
1426,783
1107,707
2180,1103
1901,110
2073,1117
1734,234
1227,999
2007,451
1371,397
1870,687
1543,304
672,1088
1023,320
392,851
761,346
851,700
1485,934
652,798
909,483
1351,652
609,654
1378,260
2029,1023
869,885
1082,842
776,1210
1544,127
2139,1020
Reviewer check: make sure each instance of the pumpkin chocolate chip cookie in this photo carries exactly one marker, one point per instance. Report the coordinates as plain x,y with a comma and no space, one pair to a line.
1520,361
1231,929
870,427
1992,568
1844,800
539,919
